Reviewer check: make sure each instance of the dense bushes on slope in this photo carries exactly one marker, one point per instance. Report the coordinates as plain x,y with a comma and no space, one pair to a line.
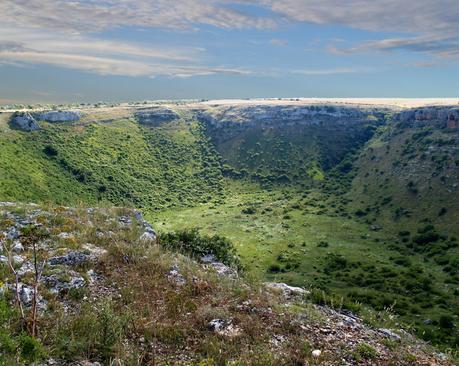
117,162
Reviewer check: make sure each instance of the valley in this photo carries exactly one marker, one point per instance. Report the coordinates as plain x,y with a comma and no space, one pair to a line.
357,202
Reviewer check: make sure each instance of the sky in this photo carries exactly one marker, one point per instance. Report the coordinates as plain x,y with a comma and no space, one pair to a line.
126,50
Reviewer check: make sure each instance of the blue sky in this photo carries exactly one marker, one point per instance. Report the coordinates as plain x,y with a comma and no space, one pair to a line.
118,50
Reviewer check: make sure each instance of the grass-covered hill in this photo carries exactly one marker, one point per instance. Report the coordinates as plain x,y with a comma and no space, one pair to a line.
358,203
115,160
84,287
408,174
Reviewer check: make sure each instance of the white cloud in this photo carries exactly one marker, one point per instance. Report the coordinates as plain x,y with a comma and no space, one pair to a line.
439,46
431,26
63,32
420,16
334,71
93,15
278,42
113,66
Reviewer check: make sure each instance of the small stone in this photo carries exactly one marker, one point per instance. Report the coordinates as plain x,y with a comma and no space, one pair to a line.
148,236
25,294
389,333
17,259
64,235
17,246
175,276
316,353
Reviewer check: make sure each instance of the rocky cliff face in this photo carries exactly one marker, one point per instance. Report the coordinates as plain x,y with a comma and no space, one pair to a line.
441,116
155,116
25,121
58,116
233,120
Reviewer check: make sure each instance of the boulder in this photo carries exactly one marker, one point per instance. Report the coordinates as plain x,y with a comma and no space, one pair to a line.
225,328
57,285
70,259
219,267
287,291
25,122
389,334
175,276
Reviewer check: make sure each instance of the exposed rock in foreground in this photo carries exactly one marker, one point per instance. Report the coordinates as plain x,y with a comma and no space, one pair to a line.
106,296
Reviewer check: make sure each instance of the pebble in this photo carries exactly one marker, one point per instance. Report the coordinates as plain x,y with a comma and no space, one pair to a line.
316,353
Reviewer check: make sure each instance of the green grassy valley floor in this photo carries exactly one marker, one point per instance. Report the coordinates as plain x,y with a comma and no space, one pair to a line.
291,236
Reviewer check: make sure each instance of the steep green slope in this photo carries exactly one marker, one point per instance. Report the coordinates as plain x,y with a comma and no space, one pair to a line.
118,162
409,175
286,153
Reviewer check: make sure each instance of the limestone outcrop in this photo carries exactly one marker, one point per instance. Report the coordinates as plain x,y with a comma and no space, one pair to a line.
24,121
230,120
442,116
58,116
155,116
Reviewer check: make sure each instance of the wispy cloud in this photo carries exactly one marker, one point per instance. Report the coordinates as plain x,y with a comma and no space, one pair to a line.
26,46
334,71
68,33
92,15
421,16
438,46
278,42
113,66
431,26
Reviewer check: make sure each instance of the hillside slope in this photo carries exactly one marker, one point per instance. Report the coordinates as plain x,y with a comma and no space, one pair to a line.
106,293
116,161
409,173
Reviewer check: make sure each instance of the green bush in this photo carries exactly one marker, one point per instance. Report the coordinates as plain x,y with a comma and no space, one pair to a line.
274,268
96,332
191,242
31,348
426,235
364,351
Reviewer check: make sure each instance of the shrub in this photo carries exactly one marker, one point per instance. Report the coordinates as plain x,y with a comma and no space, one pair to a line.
50,150
274,268
364,351
446,322
249,211
426,235
31,348
191,242
335,262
